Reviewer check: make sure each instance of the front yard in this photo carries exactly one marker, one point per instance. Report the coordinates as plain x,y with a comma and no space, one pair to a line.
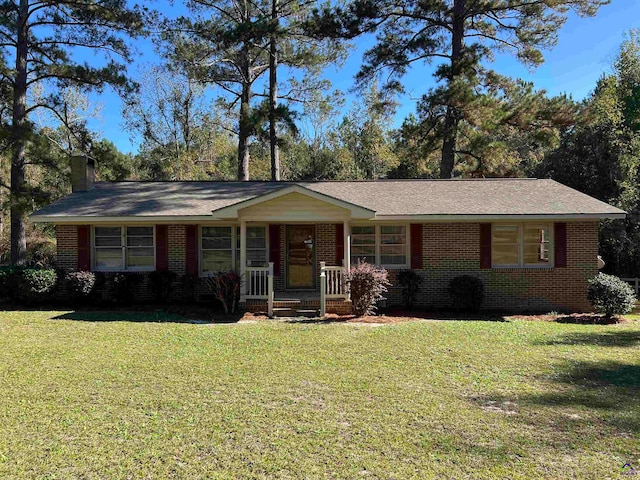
85,397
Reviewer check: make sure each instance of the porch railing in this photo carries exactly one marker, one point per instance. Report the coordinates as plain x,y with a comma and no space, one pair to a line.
336,287
259,284
332,285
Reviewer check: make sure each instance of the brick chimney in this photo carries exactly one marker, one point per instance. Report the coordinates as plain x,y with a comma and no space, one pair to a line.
82,173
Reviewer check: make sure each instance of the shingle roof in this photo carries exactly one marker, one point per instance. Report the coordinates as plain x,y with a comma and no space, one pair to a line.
481,197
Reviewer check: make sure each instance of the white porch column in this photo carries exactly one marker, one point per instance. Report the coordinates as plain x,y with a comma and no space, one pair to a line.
346,263
243,260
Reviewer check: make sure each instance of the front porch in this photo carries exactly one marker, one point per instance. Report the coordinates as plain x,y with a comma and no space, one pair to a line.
259,294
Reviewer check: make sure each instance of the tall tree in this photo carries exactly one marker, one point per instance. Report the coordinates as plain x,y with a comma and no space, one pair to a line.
291,47
461,35
600,155
223,44
43,41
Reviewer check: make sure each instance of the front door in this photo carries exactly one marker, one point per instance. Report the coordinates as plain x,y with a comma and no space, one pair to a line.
301,256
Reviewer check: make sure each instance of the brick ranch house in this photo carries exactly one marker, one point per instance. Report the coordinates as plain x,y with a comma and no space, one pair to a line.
534,243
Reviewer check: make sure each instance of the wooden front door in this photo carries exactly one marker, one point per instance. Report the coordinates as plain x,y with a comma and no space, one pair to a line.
301,254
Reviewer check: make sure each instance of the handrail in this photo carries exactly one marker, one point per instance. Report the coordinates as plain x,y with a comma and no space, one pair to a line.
332,284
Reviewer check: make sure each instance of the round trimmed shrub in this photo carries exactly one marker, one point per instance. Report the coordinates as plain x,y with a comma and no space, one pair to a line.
466,293
37,285
610,295
80,284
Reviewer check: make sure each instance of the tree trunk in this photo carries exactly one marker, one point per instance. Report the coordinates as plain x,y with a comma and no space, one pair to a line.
19,133
451,120
244,132
273,95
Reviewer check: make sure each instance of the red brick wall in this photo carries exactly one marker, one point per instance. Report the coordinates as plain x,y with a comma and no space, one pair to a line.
453,249
177,249
448,250
67,247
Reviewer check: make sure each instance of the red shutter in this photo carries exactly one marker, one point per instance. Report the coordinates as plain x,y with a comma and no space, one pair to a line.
485,245
84,248
162,248
274,248
416,246
192,250
560,245
339,243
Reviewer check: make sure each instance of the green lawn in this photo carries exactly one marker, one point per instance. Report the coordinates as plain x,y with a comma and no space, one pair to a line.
109,398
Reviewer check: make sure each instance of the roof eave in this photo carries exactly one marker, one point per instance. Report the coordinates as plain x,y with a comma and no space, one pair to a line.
505,217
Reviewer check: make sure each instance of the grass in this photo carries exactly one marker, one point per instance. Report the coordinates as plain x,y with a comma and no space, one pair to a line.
444,399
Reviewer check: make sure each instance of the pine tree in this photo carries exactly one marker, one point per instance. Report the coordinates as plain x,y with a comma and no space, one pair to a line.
460,36
41,39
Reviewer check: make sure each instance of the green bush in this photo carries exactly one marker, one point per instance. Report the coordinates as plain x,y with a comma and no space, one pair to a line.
124,286
9,280
80,284
162,285
610,295
225,286
366,285
37,285
410,282
466,293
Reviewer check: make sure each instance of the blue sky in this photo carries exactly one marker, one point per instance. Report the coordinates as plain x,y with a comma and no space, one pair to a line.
586,48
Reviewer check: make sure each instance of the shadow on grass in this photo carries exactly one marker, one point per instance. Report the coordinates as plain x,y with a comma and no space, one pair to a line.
124,316
610,389
623,338
157,316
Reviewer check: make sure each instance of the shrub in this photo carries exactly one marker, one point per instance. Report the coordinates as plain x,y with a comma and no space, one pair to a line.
162,284
226,288
9,280
610,295
80,284
124,286
366,285
410,282
466,292
37,285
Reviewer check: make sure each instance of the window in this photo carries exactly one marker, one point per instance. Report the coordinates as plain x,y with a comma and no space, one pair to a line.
123,248
363,244
393,245
256,246
381,245
521,245
218,252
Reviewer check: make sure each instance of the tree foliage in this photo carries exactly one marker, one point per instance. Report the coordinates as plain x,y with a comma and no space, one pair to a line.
39,45
461,36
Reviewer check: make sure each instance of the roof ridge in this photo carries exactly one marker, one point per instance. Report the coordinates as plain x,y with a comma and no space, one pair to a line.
289,182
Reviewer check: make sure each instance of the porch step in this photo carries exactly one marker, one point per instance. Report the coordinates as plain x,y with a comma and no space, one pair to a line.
294,312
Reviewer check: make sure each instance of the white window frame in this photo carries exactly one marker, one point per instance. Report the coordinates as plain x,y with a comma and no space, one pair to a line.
378,243
208,273
124,247
521,264
235,252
